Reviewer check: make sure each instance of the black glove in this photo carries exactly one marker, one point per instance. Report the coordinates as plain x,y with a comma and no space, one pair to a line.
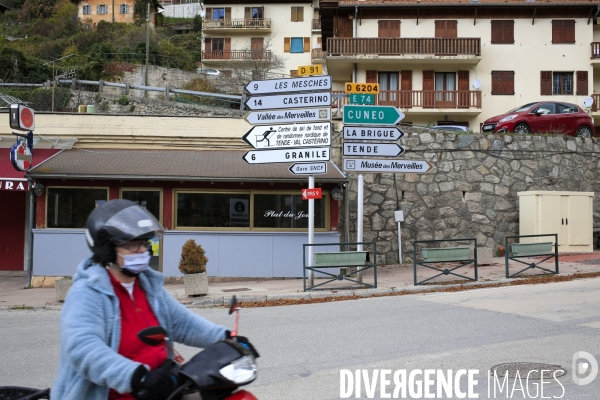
243,340
155,385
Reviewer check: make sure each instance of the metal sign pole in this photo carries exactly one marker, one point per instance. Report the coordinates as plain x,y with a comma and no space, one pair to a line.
311,231
359,221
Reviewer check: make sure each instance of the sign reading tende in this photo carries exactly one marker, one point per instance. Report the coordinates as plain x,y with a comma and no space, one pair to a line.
290,101
373,149
290,135
370,165
372,133
286,85
287,116
287,155
309,168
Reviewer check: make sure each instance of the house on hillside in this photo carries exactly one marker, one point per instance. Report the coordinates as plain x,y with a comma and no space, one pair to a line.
460,62
237,32
95,11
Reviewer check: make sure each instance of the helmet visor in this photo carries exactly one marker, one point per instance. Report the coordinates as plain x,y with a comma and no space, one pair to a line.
130,223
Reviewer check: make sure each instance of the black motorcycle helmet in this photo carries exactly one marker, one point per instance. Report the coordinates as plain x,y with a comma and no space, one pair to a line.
115,223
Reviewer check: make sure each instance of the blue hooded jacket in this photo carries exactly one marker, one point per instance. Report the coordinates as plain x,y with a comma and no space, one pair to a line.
90,331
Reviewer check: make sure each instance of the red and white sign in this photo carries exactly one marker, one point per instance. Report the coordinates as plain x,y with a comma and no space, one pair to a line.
308,194
20,155
13,185
22,118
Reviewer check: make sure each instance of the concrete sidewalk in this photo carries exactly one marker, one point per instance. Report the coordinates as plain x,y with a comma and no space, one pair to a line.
390,279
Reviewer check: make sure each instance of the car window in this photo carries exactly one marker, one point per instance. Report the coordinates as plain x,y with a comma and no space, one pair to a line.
522,108
565,108
546,108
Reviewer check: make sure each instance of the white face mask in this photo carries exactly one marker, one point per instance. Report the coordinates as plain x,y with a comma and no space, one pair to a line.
136,263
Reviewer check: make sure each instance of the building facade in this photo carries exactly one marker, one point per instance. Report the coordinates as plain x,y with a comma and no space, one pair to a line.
94,11
463,62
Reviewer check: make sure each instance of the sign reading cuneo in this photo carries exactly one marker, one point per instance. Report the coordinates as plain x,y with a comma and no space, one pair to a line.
307,70
289,135
372,88
398,166
288,116
372,115
287,85
316,99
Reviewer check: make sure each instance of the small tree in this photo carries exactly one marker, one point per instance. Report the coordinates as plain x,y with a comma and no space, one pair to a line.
193,258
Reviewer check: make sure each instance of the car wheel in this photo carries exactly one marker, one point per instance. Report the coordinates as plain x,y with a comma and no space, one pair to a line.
584,132
522,129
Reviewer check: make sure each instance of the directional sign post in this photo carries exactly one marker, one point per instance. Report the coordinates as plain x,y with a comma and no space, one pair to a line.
287,85
292,100
307,70
372,115
373,149
309,168
287,155
372,133
312,193
290,135
288,116
398,166
352,87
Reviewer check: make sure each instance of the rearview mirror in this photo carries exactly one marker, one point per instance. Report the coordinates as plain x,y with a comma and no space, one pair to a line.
234,305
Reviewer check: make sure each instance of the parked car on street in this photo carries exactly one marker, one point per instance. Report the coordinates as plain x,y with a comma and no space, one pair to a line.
543,117
450,128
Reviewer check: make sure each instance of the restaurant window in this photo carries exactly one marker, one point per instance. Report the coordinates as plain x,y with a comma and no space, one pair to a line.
248,210
286,210
70,207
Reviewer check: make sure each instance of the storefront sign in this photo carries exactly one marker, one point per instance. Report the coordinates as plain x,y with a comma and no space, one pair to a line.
286,214
21,156
22,118
13,185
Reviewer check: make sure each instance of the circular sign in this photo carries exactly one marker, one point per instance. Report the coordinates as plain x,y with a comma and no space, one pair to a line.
20,156
26,118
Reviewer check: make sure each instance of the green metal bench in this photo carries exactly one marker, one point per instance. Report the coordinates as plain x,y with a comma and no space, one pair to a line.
459,254
335,259
520,250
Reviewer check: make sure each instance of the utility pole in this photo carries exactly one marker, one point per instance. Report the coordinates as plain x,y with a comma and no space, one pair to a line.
147,47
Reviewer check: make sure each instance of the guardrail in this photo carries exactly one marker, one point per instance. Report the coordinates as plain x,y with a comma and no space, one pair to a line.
520,250
443,255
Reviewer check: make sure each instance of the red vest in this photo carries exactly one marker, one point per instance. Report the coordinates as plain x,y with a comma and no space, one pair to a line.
136,315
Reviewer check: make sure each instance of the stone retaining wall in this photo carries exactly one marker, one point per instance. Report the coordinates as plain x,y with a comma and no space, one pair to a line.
472,190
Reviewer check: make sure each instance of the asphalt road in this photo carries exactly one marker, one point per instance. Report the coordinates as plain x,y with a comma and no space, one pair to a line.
304,348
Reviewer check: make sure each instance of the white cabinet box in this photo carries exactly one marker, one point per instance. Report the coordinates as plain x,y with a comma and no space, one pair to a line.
569,214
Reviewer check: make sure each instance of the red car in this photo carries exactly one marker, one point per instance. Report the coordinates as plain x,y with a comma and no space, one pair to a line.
543,117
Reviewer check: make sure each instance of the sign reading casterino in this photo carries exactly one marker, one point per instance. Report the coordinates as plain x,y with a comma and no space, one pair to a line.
287,155
370,165
318,99
287,116
287,85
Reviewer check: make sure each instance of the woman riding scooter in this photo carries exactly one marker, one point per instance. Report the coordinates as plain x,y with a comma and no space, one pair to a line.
114,296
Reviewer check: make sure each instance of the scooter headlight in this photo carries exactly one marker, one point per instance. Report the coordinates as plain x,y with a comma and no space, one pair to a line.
241,371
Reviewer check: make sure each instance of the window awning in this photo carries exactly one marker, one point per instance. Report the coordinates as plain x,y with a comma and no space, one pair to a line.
181,165
9,173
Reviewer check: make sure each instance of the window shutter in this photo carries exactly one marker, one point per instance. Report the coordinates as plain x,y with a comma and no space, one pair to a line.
300,14
209,13
306,44
509,82
439,28
319,40
287,44
582,83
247,12
382,28
509,32
406,88
428,85
227,44
207,44
228,13
569,31
293,73
452,29
371,76
395,28
546,83
496,82
294,16
463,80
557,31
496,34
97,9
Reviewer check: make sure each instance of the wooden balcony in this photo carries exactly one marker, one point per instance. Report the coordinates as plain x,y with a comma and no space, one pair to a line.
455,99
232,25
316,24
595,51
235,55
403,46
596,104
317,56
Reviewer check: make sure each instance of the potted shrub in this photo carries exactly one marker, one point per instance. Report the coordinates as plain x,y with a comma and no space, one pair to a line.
193,267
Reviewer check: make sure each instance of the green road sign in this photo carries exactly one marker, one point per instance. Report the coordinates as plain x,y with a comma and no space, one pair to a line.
362,98
372,115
